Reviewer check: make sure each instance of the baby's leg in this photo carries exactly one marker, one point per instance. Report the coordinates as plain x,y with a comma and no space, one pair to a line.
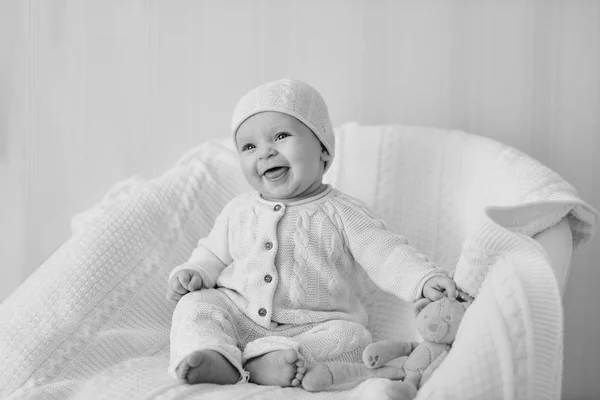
204,341
334,341
274,361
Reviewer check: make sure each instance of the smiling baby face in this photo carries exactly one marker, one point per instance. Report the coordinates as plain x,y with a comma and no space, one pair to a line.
281,157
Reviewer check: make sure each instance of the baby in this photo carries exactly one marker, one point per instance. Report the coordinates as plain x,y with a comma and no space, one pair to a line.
273,287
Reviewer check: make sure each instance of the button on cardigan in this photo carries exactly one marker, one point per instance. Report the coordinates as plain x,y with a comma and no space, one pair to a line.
298,263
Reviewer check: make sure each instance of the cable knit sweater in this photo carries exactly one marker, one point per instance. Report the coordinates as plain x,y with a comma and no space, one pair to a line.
298,262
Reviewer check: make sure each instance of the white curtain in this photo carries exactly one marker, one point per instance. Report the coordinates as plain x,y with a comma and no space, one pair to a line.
94,91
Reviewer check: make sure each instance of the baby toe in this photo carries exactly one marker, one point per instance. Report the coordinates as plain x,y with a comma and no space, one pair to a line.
182,370
181,373
291,356
194,359
296,382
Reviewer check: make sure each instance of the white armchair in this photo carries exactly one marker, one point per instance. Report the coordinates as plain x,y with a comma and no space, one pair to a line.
92,321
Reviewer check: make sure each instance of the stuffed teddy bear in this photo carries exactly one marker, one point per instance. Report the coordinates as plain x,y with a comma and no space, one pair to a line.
437,323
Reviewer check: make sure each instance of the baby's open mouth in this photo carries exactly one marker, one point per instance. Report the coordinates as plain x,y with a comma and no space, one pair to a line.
276,172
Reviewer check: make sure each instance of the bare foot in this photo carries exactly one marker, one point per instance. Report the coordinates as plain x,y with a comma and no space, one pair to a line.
207,366
277,368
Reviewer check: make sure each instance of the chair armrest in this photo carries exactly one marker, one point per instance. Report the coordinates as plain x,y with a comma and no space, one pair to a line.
558,244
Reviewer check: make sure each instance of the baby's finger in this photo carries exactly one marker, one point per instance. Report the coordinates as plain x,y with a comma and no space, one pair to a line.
450,287
195,283
447,287
184,278
432,294
178,287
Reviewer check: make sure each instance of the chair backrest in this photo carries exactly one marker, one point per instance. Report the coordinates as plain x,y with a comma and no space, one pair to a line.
428,184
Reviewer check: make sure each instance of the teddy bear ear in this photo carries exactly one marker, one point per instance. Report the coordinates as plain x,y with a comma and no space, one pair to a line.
420,304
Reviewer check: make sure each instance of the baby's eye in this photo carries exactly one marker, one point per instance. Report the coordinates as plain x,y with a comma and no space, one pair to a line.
448,318
281,135
248,146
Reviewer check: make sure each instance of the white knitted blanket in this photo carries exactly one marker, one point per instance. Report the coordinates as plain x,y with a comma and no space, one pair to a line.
93,323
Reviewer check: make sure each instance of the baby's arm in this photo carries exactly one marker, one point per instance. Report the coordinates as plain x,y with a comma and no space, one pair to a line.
201,270
206,263
389,260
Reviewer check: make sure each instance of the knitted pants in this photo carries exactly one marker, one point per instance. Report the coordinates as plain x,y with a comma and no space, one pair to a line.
209,320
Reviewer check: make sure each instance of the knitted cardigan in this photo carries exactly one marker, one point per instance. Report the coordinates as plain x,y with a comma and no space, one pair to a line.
309,251
92,321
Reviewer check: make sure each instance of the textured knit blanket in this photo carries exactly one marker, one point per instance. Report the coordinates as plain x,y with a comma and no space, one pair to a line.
92,321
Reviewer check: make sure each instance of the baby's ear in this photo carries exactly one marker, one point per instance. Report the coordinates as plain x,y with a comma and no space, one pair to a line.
420,304
325,156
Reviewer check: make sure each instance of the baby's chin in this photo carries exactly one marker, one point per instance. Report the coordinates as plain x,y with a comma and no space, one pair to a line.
286,195
282,194
277,197
278,192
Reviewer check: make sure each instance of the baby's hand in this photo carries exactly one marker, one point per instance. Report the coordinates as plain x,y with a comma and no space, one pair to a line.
182,282
435,287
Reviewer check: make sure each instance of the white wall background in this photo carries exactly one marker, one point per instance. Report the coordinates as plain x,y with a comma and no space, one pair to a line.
92,92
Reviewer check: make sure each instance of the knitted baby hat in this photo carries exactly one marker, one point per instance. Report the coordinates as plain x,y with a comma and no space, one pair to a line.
292,97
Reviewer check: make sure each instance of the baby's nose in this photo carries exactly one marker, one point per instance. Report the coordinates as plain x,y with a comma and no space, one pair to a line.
268,152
